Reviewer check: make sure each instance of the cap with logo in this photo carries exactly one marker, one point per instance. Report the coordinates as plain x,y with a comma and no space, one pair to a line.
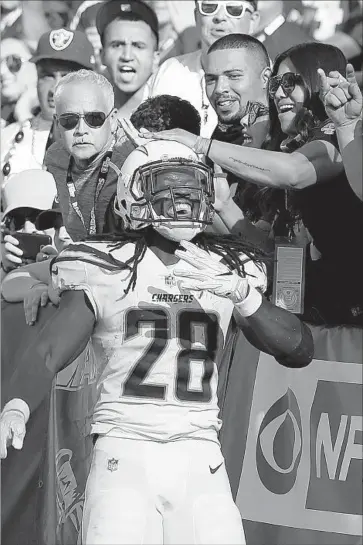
115,9
65,45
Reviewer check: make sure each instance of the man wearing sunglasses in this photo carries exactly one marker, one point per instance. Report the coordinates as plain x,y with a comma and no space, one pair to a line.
59,52
23,145
184,76
82,161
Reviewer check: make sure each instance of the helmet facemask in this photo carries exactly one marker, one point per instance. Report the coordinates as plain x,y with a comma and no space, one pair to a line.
174,195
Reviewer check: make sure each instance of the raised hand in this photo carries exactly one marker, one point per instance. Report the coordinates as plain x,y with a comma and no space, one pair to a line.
341,96
209,274
136,137
177,135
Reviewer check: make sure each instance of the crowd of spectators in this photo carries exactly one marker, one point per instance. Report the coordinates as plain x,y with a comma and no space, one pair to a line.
268,94
264,89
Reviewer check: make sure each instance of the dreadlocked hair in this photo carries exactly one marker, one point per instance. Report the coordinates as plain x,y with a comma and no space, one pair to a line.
228,247
117,241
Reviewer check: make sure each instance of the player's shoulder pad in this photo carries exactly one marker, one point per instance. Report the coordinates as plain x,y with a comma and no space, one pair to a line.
100,254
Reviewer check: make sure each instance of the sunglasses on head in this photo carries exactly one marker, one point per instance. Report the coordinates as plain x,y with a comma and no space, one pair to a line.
287,81
234,9
13,63
95,120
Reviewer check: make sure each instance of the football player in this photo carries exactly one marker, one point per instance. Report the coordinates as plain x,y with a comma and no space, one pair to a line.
157,307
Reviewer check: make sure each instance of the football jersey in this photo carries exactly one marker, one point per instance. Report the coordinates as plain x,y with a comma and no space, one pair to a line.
157,347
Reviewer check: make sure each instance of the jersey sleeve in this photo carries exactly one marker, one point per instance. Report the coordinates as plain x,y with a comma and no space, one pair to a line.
69,272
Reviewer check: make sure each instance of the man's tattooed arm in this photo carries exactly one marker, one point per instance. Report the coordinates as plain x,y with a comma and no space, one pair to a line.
249,164
261,167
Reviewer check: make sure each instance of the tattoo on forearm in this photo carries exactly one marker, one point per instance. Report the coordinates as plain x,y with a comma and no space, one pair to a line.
249,164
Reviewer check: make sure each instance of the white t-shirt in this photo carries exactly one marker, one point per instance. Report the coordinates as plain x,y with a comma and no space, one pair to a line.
29,153
157,347
184,77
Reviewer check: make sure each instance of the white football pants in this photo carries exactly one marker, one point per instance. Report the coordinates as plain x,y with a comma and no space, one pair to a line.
149,493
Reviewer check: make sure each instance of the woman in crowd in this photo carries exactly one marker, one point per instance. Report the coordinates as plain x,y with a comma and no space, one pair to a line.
302,157
16,76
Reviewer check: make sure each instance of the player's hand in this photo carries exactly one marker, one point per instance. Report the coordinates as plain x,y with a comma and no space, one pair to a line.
38,296
341,97
209,274
136,137
12,431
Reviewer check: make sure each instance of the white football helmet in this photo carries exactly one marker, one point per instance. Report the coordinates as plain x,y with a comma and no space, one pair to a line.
164,184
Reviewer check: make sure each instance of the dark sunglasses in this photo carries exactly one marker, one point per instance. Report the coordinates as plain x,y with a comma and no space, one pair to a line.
13,63
234,9
15,220
287,81
95,120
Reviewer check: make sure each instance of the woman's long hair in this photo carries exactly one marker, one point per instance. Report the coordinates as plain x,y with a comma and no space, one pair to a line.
306,58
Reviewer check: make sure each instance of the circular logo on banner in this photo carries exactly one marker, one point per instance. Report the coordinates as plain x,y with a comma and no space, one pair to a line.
279,445
288,297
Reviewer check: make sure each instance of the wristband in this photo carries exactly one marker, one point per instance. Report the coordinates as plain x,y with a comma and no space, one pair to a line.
18,405
251,304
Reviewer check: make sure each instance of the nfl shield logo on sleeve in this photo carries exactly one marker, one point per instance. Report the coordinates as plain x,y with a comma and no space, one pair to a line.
170,281
60,39
112,464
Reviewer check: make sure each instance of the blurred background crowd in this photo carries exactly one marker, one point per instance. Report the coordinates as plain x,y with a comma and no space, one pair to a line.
43,41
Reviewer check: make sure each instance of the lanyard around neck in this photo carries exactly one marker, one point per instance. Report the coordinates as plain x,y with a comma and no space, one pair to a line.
102,176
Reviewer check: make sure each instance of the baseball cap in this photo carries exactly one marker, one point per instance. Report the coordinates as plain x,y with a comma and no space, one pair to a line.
115,9
65,45
33,188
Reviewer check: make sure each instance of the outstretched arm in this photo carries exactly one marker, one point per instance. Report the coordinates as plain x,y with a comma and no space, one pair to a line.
63,337
313,163
275,330
269,328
